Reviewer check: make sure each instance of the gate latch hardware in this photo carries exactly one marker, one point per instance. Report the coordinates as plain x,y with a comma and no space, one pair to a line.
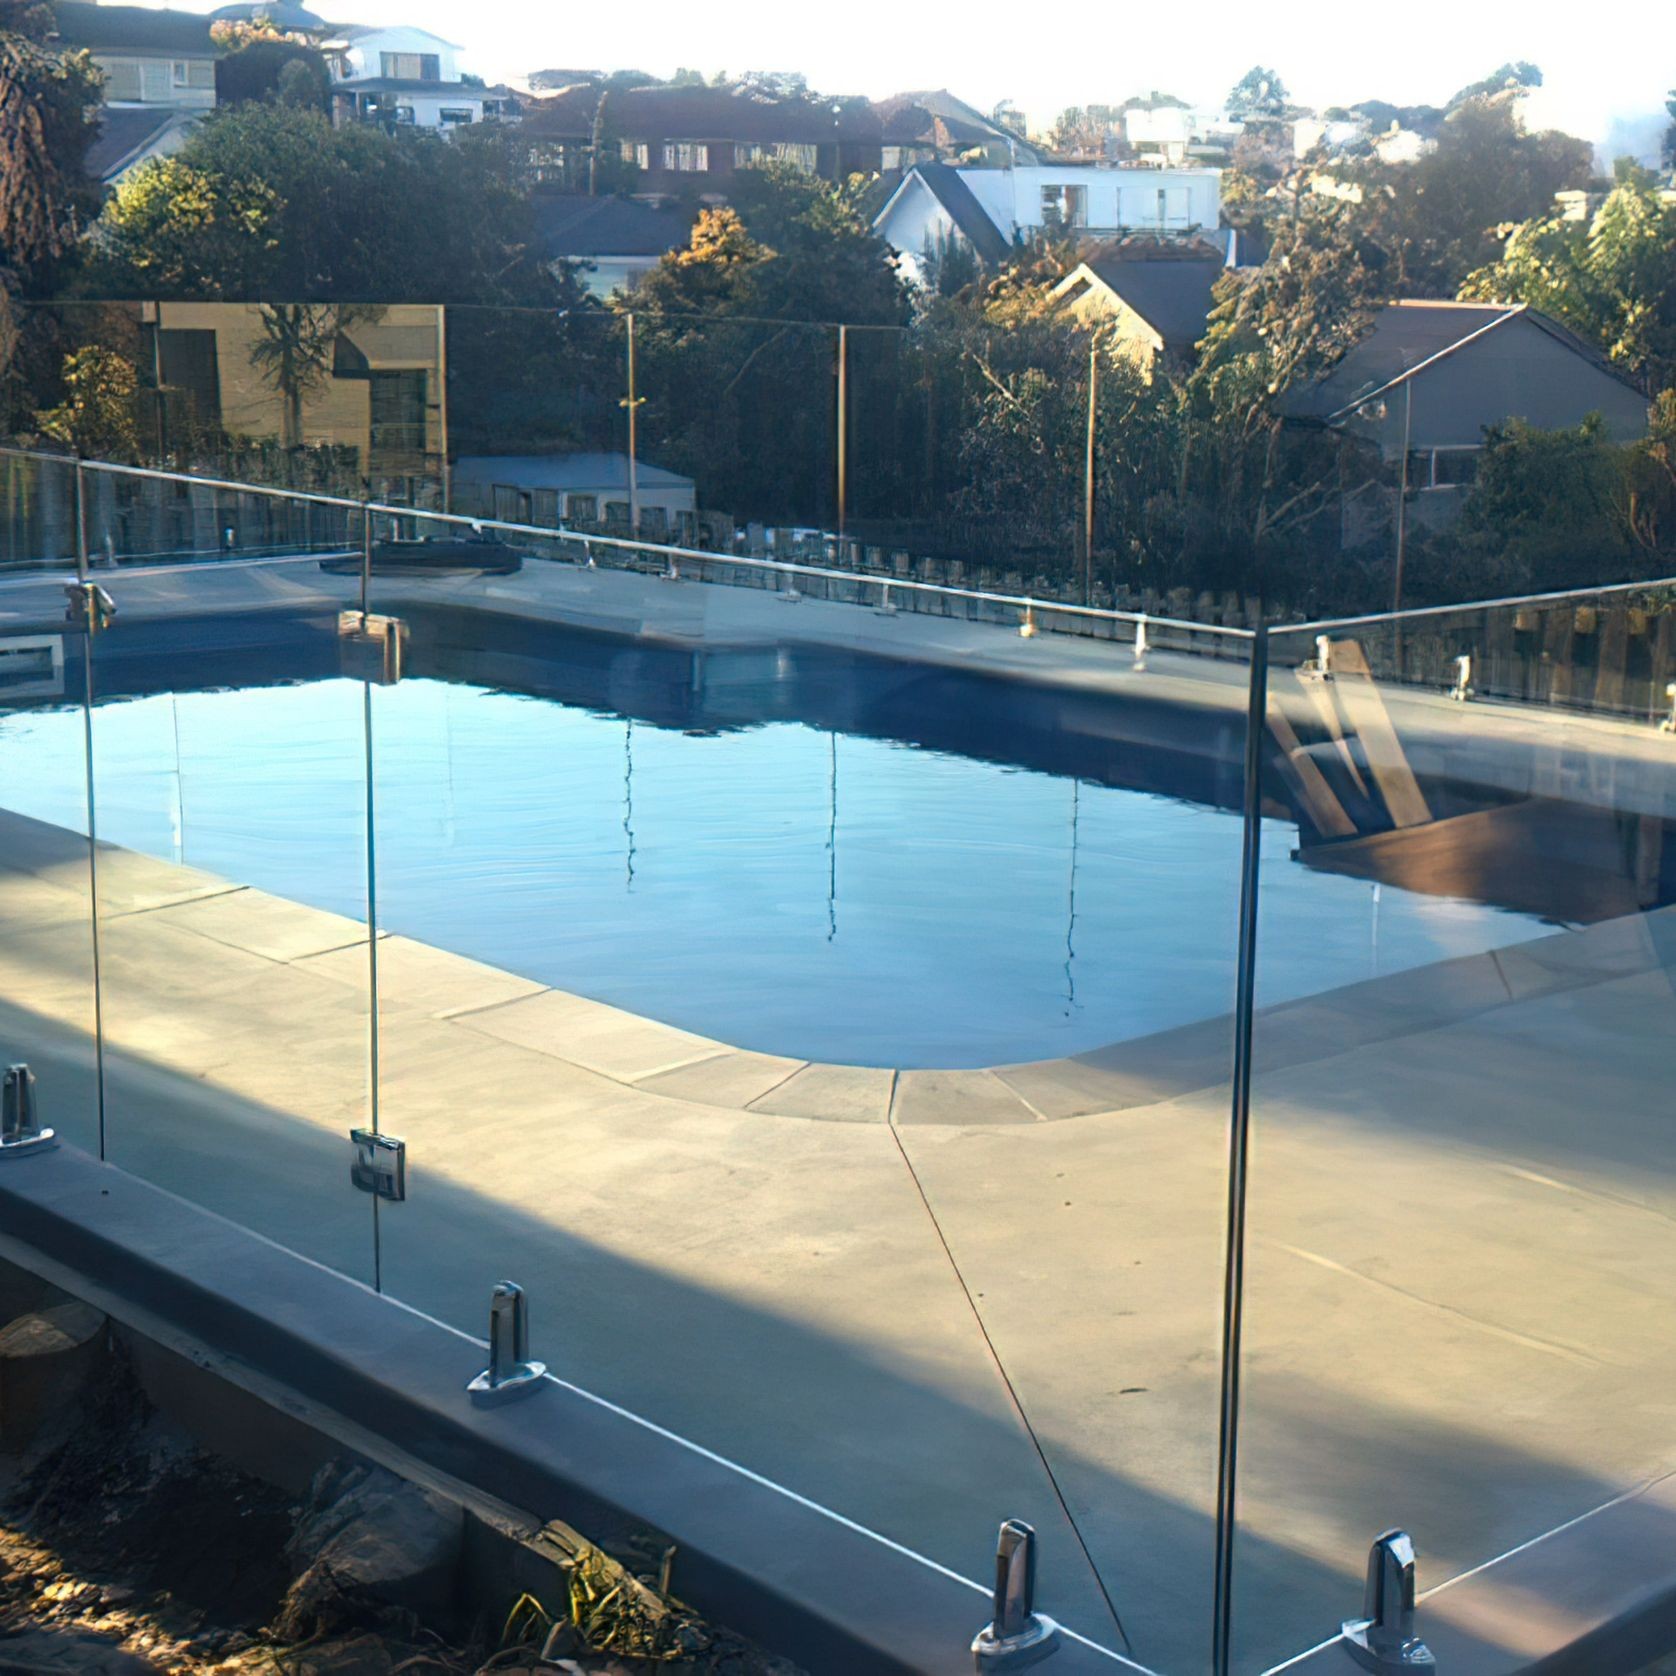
380,1165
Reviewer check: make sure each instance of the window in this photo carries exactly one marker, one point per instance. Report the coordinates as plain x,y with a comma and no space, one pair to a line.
194,72
686,157
396,429
582,509
654,523
544,507
186,361
617,514
1454,466
451,116
804,157
410,66
122,80
636,152
1064,206
404,113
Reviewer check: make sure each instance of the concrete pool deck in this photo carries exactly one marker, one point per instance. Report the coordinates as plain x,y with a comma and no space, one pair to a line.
1462,1266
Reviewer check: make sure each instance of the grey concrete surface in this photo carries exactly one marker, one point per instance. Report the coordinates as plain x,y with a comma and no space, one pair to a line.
1462,1261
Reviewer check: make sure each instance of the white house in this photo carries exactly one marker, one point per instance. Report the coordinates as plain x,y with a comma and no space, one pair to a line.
994,209
408,75
149,56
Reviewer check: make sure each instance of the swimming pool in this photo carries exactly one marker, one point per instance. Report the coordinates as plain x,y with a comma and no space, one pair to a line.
808,890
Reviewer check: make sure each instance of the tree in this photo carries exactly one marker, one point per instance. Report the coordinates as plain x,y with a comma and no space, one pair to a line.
1670,132
1510,78
47,101
1443,216
262,62
1612,279
97,415
1258,93
269,200
294,355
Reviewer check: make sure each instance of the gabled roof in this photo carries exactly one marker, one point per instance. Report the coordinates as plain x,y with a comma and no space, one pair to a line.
1407,337
126,133
572,227
939,118
1172,294
82,23
701,113
943,182
361,31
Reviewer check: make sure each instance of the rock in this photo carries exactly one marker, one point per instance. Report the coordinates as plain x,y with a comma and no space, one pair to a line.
367,1537
45,1359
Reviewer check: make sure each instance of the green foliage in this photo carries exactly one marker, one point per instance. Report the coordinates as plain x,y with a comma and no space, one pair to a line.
270,200
97,415
47,101
1259,93
1543,512
1612,279
1510,78
273,67
1440,218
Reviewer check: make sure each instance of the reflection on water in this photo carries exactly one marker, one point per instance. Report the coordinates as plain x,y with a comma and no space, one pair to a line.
789,889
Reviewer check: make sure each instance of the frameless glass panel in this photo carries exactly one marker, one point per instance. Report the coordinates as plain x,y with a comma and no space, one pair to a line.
678,874
1461,1261
1073,1151
230,783
47,968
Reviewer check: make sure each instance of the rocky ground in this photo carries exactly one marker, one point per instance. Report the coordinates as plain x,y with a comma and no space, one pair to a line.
124,1548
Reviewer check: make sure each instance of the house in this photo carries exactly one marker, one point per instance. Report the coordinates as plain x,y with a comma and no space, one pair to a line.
1156,298
130,135
404,75
588,491
689,140
614,240
150,56
995,209
936,127
1441,374
375,387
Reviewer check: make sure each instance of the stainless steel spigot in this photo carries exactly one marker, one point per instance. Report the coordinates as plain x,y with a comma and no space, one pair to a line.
510,1371
1383,1637
1018,1636
20,1130
90,608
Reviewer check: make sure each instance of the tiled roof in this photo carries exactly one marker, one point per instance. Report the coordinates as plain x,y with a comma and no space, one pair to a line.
124,132
701,113
1406,336
81,23
571,226
1171,294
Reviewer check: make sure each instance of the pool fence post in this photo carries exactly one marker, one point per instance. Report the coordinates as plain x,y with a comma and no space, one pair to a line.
1017,1636
1239,1138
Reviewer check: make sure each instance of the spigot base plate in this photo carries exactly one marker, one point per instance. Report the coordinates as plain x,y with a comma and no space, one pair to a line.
992,1654
1412,1654
29,1146
524,1378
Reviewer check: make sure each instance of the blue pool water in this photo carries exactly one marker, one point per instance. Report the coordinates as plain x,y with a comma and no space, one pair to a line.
787,888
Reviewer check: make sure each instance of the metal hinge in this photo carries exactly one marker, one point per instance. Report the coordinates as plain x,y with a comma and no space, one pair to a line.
380,1165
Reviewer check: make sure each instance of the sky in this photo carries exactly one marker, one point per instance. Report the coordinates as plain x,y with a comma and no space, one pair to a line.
1607,74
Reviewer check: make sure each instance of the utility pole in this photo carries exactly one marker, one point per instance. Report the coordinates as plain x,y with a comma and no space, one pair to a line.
843,426
632,403
1088,477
